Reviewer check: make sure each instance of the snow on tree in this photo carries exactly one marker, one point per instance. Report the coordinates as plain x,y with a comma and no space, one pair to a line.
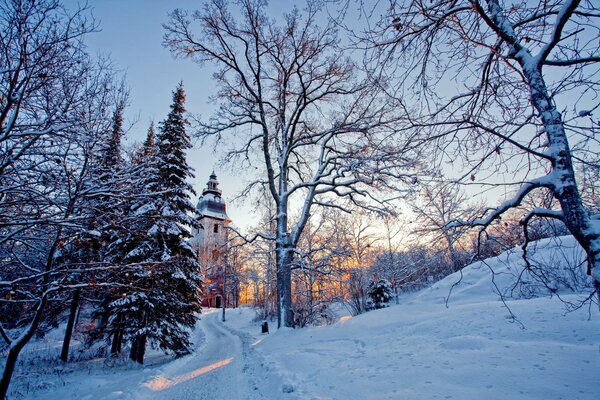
116,180
523,104
292,99
100,209
380,293
167,305
160,299
53,114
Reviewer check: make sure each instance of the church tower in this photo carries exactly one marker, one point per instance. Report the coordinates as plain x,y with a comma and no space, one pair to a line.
209,240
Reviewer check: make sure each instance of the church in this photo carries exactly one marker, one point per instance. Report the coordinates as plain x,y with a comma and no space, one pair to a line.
209,240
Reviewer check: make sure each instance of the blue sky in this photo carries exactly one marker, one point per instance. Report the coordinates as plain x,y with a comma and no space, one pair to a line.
131,34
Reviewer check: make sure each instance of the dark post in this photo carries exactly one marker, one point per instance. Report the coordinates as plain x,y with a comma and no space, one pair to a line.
265,327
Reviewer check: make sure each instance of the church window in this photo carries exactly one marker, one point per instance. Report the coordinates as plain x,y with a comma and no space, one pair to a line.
216,228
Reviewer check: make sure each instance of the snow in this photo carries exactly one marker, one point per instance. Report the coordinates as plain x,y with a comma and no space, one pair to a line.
585,113
145,209
221,368
474,347
489,280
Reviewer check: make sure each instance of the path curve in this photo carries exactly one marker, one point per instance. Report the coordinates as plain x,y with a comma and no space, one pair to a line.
224,367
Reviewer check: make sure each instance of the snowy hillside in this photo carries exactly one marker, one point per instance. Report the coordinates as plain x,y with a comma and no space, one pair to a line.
473,349
559,262
420,349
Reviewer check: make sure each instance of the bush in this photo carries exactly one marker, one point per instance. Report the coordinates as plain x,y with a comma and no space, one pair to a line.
380,293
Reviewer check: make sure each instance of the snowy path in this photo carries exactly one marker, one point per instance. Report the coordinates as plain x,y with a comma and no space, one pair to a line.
225,368
225,365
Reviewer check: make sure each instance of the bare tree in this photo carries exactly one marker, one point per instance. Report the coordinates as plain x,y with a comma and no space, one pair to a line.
318,272
357,235
388,264
290,96
55,106
525,81
436,208
36,268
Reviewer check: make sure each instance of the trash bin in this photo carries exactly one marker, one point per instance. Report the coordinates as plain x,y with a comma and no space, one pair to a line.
265,327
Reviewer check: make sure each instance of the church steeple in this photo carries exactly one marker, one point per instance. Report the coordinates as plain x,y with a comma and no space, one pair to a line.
212,186
209,239
211,203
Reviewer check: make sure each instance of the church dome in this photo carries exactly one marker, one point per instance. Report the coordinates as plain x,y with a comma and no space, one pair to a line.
211,204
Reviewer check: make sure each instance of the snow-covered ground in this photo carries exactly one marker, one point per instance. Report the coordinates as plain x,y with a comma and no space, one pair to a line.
471,348
222,367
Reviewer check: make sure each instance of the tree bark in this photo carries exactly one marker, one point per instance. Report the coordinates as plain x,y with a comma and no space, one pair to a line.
9,368
284,287
565,190
561,181
138,349
64,355
133,352
224,295
141,349
16,347
117,337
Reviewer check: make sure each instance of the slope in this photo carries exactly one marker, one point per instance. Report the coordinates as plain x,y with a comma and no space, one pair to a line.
476,347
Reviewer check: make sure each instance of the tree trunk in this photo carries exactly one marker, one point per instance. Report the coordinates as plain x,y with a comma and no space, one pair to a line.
224,296
141,349
117,336
9,368
64,355
284,288
16,347
565,190
561,181
138,349
117,341
133,352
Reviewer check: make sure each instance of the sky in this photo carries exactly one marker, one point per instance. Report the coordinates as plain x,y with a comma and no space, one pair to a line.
130,32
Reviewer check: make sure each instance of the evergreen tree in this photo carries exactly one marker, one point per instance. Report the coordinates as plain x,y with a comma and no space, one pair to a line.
112,156
380,293
178,298
148,148
165,291
112,182
139,247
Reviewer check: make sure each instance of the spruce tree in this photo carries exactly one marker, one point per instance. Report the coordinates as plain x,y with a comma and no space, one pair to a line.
139,247
164,299
112,182
179,273
112,154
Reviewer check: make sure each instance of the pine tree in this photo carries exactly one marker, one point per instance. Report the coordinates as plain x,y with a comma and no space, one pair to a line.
179,274
115,168
380,293
165,291
112,182
112,156
148,148
139,246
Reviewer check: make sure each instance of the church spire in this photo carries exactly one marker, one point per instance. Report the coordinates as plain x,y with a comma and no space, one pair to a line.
211,204
212,186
